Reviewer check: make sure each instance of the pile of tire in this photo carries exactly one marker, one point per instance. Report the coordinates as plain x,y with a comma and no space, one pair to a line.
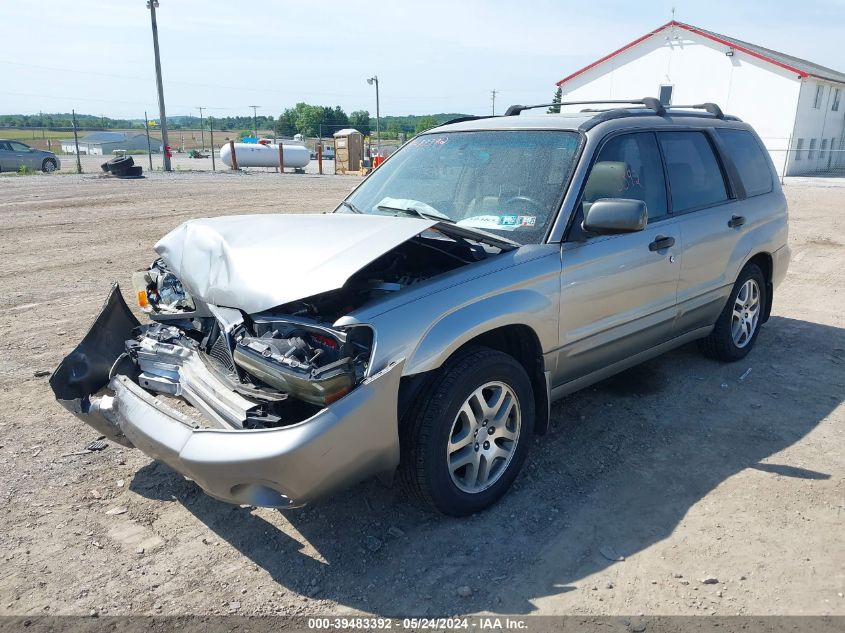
122,167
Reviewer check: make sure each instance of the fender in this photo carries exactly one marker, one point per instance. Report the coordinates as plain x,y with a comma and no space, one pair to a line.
522,306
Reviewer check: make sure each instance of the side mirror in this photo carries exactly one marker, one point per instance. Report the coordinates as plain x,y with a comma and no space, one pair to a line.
607,216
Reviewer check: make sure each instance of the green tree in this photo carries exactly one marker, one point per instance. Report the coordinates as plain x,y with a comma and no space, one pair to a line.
555,109
425,123
360,120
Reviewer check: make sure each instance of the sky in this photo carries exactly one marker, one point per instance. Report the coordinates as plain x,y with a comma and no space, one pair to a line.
430,56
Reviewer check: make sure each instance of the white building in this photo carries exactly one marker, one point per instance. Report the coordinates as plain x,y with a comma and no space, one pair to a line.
104,143
792,103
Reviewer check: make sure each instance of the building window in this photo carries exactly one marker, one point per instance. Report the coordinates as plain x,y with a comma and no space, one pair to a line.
799,145
835,106
817,102
665,95
811,154
823,149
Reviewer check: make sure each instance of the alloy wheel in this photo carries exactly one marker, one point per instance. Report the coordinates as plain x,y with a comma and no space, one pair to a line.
746,313
483,437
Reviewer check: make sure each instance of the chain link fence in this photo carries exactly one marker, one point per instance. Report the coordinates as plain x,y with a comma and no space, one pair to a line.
825,159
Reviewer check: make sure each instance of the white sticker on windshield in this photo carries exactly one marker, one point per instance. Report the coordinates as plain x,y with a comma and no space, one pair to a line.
527,220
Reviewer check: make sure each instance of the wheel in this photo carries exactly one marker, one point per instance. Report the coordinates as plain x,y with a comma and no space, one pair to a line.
117,164
49,165
135,171
466,437
737,328
105,167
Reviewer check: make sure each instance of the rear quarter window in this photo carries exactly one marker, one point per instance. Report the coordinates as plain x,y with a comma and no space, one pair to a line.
750,161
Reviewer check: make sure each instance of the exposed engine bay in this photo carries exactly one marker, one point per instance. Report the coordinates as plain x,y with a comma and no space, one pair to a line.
280,366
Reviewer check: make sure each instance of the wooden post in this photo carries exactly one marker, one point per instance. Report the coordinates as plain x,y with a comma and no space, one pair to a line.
211,132
149,145
76,143
281,158
234,157
320,158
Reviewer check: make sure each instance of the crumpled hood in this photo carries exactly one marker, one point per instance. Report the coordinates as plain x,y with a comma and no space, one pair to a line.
257,262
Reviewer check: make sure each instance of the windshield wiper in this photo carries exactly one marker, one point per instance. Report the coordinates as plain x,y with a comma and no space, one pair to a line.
440,217
350,206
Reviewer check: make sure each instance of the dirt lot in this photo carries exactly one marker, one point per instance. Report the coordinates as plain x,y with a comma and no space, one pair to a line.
680,465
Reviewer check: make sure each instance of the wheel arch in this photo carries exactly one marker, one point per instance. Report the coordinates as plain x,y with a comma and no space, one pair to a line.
518,340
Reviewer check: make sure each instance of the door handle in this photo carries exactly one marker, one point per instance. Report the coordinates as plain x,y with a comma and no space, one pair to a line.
736,221
661,242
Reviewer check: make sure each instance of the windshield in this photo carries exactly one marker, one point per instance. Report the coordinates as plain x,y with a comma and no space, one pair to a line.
506,182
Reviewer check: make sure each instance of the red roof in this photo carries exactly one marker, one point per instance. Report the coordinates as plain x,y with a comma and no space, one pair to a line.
800,67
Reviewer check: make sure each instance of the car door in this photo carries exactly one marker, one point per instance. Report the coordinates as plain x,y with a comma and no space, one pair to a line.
7,157
23,155
712,222
618,292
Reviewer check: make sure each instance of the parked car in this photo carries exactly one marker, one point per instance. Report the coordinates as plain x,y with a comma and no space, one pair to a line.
14,155
489,267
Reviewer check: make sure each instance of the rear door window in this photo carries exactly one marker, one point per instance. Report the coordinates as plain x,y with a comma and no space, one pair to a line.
695,177
750,161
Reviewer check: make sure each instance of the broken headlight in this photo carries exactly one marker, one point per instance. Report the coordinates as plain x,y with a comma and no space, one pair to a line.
158,290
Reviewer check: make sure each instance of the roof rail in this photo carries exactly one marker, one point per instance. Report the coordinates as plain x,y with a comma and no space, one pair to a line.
712,108
649,102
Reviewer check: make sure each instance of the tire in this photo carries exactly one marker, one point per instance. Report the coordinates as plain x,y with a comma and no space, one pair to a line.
729,341
49,165
135,171
439,417
105,167
117,164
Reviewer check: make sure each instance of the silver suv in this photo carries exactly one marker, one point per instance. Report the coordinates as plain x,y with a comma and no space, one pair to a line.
489,267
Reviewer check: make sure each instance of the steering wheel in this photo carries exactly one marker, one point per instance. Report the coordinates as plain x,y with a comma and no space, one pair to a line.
522,200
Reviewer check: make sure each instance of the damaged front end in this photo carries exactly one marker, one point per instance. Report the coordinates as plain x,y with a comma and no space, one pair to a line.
242,439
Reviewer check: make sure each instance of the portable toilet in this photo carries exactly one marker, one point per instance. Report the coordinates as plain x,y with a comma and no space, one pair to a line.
348,150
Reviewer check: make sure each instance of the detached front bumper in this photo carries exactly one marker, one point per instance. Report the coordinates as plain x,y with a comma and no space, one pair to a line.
350,440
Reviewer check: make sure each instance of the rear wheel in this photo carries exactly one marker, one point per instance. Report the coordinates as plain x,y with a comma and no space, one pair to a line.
739,324
49,165
466,438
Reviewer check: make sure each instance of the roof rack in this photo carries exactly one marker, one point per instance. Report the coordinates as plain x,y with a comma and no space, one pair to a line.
649,102
712,108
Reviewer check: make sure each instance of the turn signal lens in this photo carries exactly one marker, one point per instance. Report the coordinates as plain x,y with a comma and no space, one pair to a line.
139,284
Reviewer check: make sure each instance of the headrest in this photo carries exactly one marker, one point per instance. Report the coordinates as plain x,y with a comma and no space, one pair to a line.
607,180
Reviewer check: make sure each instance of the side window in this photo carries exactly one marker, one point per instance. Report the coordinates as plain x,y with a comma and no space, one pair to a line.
5,147
695,178
19,147
749,159
628,166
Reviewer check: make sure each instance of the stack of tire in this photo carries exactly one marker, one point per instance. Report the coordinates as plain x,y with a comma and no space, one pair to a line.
122,167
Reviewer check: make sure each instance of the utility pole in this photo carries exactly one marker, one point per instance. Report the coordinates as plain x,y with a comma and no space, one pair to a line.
493,99
255,119
374,80
202,130
152,5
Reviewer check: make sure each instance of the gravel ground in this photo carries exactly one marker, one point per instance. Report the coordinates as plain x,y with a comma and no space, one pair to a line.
721,488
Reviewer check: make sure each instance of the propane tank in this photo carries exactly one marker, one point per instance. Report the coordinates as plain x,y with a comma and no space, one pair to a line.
265,155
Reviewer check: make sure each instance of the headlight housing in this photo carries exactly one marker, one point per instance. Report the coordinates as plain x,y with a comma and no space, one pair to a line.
158,290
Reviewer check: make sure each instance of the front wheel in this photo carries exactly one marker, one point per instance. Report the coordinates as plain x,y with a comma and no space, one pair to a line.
48,166
739,324
466,438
